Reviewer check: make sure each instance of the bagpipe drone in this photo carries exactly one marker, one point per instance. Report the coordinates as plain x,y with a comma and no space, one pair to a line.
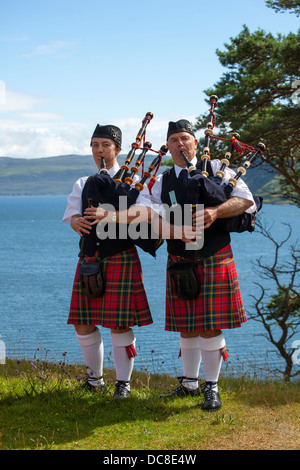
212,190
102,189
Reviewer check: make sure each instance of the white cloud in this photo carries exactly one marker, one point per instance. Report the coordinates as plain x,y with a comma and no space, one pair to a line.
18,101
25,142
156,131
54,48
38,135
42,116
28,132
17,109
2,92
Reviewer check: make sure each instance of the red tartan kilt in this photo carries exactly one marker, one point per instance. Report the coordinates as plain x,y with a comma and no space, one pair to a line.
124,302
219,304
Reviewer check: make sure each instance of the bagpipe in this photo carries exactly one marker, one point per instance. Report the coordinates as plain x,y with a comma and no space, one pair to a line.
120,191
211,190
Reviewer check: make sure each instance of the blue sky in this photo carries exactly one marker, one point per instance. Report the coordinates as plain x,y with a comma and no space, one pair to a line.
67,65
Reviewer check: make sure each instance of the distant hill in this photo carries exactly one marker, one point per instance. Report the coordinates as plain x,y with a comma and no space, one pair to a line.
56,175
51,175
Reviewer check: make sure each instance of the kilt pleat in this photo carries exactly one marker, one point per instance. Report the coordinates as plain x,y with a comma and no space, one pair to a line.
124,302
219,304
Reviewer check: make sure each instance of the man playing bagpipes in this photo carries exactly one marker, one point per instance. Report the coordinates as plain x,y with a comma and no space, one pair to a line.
115,297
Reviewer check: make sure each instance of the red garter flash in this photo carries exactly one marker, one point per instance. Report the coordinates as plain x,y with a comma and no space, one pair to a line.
131,351
224,353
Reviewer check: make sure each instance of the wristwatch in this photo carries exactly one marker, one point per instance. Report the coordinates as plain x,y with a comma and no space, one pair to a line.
114,217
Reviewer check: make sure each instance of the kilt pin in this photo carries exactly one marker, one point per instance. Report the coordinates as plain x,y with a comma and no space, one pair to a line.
219,304
124,303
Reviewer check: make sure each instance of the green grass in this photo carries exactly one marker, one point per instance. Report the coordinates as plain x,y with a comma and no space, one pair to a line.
43,407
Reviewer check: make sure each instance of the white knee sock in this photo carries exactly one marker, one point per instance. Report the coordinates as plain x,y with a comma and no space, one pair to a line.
191,358
211,356
121,343
92,349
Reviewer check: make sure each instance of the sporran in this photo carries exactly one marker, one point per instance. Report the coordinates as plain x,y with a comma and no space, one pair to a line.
91,278
185,280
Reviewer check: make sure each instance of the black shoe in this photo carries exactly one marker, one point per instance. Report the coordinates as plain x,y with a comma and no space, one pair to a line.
122,390
182,391
212,400
96,387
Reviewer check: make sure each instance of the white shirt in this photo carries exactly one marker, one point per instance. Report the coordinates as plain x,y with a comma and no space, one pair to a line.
74,203
241,189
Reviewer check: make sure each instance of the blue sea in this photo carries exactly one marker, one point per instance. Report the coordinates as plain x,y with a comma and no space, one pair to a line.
39,254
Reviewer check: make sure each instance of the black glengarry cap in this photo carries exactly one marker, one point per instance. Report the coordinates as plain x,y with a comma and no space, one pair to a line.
180,126
109,132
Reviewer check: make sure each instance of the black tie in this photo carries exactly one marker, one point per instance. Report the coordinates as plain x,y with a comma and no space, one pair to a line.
183,175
